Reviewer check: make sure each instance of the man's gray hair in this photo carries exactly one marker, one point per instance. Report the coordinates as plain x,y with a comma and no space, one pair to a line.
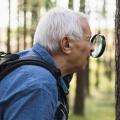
55,25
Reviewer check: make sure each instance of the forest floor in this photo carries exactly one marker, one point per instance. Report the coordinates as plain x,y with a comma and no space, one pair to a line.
100,106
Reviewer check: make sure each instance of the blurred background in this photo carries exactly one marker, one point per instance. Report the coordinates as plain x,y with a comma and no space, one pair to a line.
91,93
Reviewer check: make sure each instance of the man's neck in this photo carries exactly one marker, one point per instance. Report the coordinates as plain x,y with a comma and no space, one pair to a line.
62,64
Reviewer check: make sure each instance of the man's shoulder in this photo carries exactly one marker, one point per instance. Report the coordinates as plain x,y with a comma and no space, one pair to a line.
37,74
29,76
27,79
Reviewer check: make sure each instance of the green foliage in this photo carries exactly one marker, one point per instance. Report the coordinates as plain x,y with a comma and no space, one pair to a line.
99,106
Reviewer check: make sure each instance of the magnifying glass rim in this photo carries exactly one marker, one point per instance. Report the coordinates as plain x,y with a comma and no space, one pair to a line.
103,44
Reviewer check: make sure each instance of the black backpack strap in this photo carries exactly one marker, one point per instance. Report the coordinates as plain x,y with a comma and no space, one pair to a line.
9,66
62,106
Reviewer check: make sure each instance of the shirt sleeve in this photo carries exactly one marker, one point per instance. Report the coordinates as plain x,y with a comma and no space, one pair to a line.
35,105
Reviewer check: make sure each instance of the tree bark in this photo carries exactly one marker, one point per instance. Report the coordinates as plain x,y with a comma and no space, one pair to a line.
70,5
87,81
97,75
80,94
25,27
34,19
82,82
18,30
49,4
8,29
117,58
82,6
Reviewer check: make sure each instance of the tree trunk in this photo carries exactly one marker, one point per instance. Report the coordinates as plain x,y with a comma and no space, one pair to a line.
87,81
70,5
80,94
49,4
97,75
18,30
82,79
117,58
8,29
82,6
25,27
34,19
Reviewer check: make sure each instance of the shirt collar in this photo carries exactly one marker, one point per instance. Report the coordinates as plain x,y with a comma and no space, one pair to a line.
43,53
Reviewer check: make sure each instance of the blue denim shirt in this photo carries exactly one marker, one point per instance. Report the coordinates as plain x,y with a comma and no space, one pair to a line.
30,92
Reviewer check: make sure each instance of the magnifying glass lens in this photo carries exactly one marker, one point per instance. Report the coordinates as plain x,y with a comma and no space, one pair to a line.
98,42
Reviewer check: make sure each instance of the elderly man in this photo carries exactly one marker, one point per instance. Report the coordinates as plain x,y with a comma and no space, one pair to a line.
62,39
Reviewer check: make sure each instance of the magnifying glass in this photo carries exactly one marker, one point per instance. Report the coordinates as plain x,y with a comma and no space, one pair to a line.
99,44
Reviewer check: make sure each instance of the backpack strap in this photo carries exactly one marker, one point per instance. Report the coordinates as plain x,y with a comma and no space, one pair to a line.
62,105
9,66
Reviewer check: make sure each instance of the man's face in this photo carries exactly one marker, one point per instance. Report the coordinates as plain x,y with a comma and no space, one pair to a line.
81,49
76,52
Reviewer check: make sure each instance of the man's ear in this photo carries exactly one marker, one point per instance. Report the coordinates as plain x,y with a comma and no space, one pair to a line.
65,45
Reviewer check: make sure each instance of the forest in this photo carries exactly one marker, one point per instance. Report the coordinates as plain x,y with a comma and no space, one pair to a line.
94,93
